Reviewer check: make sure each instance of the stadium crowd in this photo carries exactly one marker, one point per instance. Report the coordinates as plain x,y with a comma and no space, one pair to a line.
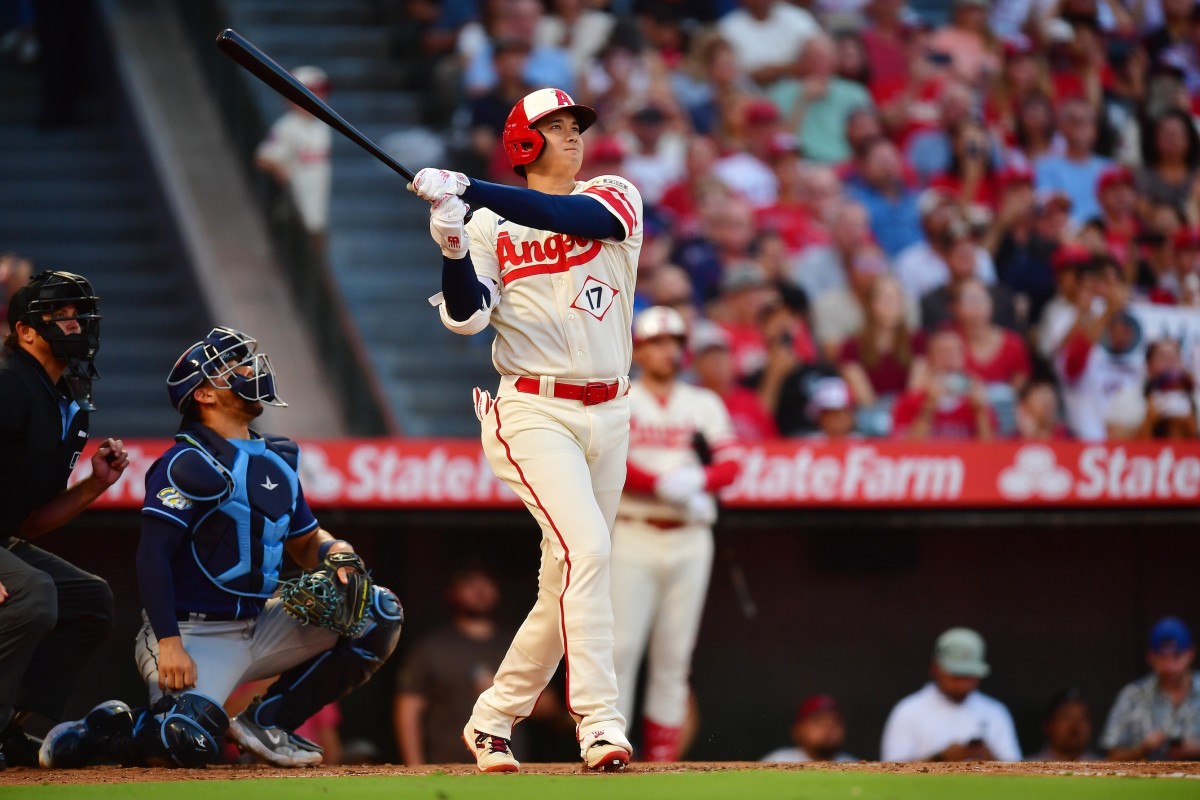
881,223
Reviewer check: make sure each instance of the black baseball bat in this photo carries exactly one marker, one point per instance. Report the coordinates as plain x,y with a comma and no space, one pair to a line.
726,547
267,70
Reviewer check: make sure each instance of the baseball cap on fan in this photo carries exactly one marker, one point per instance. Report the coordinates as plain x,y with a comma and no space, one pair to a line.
1170,634
960,652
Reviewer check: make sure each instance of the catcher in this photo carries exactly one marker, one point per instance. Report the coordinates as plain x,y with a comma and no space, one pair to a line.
223,506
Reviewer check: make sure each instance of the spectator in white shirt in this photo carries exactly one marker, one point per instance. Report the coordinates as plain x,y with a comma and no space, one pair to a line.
767,36
950,719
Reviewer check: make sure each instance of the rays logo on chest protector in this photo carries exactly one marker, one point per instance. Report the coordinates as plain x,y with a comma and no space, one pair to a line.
250,492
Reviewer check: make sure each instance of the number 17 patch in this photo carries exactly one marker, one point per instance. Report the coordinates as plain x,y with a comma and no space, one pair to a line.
596,297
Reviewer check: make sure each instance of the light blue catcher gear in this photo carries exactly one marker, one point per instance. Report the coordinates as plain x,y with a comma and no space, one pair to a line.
252,487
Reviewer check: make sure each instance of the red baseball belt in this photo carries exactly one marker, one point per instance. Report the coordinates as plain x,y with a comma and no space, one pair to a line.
662,523
590,394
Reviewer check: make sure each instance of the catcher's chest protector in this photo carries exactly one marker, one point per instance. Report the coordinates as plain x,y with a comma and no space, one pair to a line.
238,541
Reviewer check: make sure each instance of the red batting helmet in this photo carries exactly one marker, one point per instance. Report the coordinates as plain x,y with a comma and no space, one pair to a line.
522,143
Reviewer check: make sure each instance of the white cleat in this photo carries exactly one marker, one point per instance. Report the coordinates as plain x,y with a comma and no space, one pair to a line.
605,751
492,753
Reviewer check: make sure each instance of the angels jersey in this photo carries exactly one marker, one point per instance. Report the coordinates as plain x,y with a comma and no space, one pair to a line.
566,302
662,439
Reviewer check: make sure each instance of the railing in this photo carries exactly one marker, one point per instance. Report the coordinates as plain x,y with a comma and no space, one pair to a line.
317,295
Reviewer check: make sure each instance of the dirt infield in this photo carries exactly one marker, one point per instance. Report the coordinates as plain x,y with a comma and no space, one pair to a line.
107,775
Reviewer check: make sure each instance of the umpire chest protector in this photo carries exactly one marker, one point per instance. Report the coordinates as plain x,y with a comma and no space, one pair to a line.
246,494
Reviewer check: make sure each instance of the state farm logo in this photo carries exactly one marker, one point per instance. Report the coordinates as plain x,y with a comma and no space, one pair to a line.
1035,473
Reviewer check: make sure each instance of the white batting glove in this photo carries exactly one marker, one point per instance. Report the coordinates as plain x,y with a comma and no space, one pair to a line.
483,402
447,226
701,509
431,184
679,485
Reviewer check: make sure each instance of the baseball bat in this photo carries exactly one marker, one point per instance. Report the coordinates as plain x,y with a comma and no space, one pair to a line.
267,70
726,547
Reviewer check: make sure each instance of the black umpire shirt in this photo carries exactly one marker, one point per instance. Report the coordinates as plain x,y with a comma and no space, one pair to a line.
42,434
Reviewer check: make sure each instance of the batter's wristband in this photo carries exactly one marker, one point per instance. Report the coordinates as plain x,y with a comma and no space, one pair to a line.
325,547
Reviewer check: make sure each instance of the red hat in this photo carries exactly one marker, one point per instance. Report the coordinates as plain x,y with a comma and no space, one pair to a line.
1069,256
606,148
1018,45
815,704
760,112
1010,176
783,144
1186,238
1114,176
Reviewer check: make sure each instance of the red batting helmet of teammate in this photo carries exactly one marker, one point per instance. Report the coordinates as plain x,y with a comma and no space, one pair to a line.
522,143
658,321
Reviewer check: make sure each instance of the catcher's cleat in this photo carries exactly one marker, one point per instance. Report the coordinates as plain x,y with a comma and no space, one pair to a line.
492,753
83,742
273,744
605,752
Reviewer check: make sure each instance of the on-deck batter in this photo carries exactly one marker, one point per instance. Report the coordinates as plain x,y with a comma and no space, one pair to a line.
663,540
552,268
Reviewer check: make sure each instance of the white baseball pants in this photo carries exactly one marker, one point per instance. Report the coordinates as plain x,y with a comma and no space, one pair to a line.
659,582
566,461
227,654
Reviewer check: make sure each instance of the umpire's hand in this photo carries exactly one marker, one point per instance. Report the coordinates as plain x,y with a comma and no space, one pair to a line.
109,461
176,669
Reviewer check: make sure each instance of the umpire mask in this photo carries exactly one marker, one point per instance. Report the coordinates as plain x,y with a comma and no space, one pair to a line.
39,304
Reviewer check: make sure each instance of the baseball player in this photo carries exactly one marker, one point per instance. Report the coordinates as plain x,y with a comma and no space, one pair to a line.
296,153
223,505
552,268
682,449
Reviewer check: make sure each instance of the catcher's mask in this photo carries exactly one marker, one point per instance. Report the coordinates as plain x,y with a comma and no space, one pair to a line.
47,293
216,359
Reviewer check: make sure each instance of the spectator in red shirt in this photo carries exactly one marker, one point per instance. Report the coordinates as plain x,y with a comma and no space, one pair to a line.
952,404
1118,215
971,176
712,362
993,354
1037,412
682,200
882,361
790,216
884,39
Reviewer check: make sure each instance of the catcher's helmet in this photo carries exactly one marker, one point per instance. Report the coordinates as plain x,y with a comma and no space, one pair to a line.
658,321
215,359
522,143
45,293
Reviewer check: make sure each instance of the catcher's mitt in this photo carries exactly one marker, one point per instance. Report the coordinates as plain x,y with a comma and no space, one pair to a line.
318,598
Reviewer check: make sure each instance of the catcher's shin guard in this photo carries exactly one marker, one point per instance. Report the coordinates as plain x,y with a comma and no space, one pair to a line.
308,687
184,730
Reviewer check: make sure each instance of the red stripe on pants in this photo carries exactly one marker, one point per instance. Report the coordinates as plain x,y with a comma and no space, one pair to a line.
562,614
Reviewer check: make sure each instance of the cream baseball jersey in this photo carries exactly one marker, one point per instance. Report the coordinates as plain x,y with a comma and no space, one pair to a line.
662,439
566,302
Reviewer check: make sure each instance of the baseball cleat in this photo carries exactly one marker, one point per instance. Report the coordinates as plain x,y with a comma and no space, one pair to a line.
275,745
65,746
492,753
605,751
82,742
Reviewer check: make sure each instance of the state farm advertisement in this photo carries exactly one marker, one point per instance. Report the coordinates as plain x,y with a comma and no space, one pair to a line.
453,474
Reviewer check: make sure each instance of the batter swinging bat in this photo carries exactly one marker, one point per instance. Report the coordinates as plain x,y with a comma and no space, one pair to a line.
263,67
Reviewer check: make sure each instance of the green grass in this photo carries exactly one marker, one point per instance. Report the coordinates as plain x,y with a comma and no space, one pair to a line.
677,786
